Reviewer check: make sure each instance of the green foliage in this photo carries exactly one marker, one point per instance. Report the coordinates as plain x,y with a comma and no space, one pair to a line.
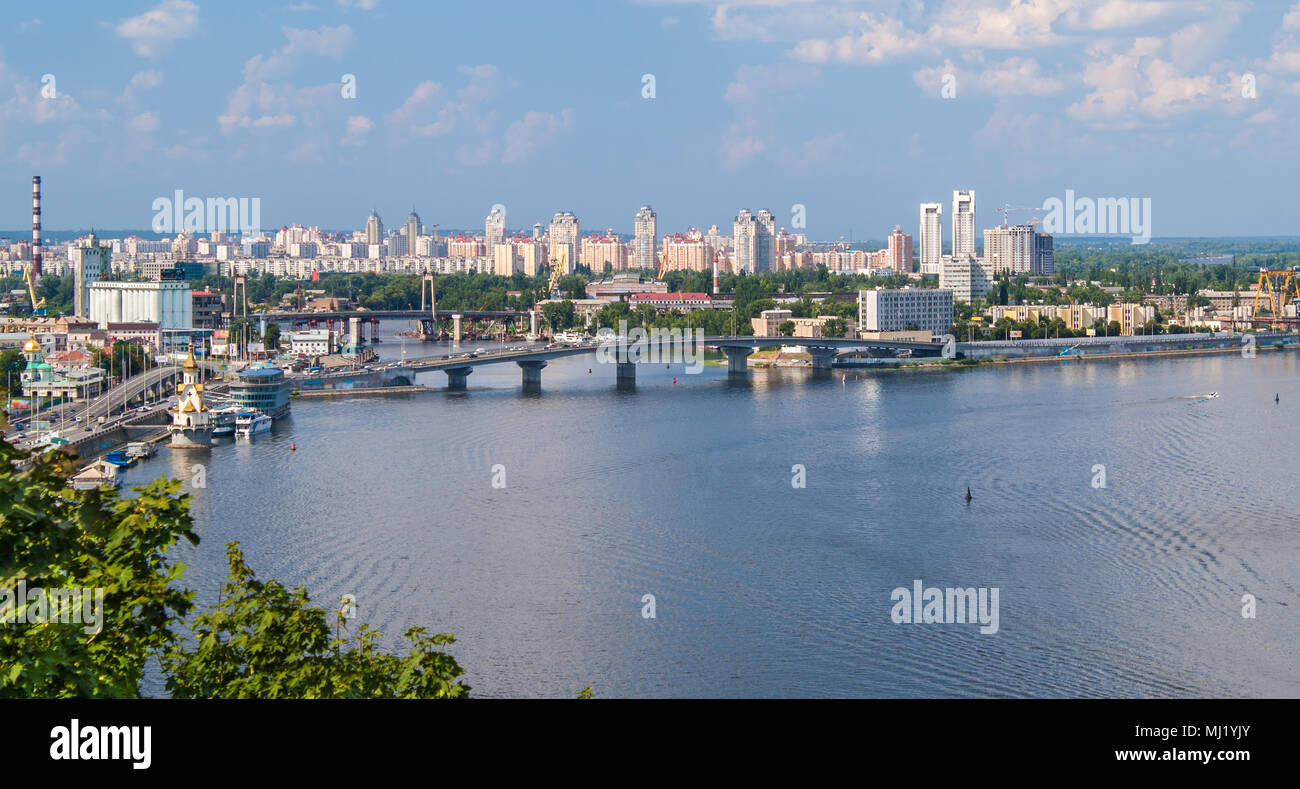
559,314
12,365
261,640
785,328
265,641
52,536
835,327
272,337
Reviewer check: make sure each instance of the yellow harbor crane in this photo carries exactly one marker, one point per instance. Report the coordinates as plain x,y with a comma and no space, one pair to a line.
559,270
1277,288
38,305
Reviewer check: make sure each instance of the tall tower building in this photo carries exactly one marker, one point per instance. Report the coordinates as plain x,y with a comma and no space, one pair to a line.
742,239
494,228
644,232
374,229
931,237
414,229
900,251
1019,249
563,237
963,222
764,240
90,262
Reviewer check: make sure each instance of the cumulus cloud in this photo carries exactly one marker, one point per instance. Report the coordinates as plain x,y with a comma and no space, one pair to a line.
534,131
152,32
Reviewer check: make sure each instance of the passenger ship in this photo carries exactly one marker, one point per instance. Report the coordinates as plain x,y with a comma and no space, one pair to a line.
250,423
223,420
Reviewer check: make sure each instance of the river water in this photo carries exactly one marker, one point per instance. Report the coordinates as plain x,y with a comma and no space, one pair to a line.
683,490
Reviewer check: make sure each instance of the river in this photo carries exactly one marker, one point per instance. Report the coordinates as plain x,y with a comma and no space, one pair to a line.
683,490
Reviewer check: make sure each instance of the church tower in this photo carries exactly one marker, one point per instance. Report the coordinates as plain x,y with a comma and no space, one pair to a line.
190,426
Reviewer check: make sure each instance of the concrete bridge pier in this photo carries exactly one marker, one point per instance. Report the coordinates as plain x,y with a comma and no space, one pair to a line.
532,371
455,329
532,322
821,360
456,376
737,360
625,376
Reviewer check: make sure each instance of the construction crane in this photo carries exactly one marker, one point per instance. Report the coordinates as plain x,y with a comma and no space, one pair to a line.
1007,209
38,305
1277,288
559,269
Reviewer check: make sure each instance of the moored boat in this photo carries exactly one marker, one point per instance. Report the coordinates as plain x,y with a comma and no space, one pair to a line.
250,423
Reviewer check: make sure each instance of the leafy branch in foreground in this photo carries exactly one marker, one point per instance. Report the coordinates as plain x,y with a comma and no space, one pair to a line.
53,537
263,640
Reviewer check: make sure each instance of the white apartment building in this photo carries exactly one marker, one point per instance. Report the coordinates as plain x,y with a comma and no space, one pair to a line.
931,237
644,227
965,276
902,309
963,222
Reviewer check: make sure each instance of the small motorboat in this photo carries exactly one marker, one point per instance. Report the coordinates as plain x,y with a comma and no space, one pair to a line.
120,459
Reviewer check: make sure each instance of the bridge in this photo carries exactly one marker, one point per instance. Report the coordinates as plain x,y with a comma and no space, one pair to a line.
823,350
337,315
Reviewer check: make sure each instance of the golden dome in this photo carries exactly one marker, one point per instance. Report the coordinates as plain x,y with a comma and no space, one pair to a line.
31,346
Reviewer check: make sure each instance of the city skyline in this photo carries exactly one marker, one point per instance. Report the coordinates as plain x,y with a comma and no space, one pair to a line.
1134,99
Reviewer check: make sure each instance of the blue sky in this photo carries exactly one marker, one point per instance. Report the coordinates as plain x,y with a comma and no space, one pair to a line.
762,103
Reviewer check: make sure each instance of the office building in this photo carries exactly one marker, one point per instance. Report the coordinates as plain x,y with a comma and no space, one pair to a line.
966,276
905,309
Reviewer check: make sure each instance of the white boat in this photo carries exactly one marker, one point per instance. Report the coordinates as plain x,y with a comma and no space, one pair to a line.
250,423
567,336
223,420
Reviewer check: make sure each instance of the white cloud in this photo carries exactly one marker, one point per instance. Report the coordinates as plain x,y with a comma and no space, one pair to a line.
153,31
1014,76
144,122
1292,19
760,83
532,132
741,145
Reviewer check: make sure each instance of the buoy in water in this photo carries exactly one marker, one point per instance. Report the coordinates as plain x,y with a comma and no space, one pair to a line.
968,496
293,447
674,379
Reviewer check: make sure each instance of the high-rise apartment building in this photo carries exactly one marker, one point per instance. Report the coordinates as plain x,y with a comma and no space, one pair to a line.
1019,249
963,222
931,237
900,251
563,237
414,229
644,228
494,228
754,240
374,229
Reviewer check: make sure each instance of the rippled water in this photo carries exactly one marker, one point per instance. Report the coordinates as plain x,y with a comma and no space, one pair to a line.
684,491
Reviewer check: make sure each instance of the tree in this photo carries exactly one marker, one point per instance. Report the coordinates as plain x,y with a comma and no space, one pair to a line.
835,327
559,314
786,329
12,364
54,537
272,337
260,640
265,641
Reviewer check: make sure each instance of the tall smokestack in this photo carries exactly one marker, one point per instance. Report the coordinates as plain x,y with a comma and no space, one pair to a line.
36,228
715,273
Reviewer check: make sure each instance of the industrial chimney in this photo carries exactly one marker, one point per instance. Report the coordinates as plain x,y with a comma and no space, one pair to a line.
36,228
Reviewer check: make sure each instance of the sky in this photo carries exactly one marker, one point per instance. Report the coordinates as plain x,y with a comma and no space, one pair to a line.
855,110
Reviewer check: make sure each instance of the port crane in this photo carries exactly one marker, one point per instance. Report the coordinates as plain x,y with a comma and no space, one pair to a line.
1277,288
559,269
38,305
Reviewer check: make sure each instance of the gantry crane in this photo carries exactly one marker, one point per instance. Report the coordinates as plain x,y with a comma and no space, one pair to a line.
1277,288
